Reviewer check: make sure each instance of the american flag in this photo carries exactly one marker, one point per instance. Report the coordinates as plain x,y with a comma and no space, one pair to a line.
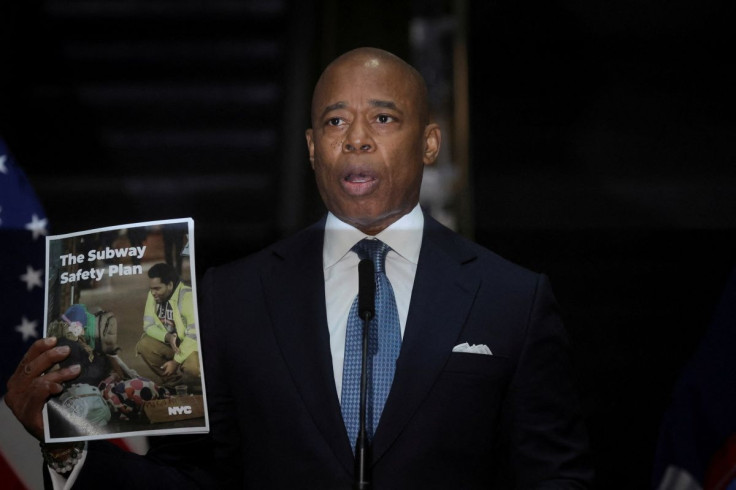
697,441
23,227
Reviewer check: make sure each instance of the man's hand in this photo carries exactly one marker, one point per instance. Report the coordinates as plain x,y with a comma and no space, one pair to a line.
29,387
170,367
171,338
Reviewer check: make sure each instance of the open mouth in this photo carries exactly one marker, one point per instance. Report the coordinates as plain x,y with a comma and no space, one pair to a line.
359,178
359,183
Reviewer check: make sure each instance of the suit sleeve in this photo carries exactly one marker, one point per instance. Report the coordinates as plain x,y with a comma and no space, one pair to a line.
224,428
181,462
546,430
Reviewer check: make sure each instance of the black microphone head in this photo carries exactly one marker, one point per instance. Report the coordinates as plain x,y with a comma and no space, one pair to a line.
366,289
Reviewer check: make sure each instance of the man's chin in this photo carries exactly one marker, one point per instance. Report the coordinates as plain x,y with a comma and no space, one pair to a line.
371,224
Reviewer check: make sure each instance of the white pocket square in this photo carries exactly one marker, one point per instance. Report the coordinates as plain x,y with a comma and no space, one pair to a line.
473,349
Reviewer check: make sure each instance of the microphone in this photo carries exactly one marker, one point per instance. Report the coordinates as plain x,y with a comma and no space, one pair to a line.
366,311
366,289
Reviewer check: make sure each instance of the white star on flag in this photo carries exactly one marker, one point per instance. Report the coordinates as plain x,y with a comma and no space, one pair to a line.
37,226
20,459
32,277
27,329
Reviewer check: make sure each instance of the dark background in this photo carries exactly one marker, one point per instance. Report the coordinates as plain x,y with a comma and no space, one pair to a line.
601,151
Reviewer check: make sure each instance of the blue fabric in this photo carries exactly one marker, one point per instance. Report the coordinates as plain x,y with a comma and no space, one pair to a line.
700,420
23,225
384,343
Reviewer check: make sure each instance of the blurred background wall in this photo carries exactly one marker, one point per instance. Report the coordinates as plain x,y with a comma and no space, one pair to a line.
590,140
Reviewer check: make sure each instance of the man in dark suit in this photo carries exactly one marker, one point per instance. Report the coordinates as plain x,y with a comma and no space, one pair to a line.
481,395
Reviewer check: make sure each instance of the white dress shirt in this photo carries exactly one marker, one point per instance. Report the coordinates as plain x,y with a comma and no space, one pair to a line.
59,482
341,274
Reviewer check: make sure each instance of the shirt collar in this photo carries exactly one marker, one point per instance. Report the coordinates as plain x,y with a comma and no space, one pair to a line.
404,237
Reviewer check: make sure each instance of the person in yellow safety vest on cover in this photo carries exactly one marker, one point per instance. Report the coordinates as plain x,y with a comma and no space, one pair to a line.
169,342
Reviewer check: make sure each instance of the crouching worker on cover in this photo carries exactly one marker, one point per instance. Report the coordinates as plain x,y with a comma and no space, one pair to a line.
169,342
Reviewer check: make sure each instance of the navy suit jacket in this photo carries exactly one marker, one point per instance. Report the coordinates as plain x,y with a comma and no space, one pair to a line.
452,420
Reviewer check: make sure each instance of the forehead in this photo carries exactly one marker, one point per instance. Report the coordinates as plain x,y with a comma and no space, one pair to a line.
356,81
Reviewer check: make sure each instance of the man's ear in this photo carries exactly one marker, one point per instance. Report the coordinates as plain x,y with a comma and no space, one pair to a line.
310,146
432,142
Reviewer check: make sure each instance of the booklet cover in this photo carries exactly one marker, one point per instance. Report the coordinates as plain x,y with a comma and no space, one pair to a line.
124,300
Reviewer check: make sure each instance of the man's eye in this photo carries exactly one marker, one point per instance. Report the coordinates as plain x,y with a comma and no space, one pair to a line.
334,121
384,118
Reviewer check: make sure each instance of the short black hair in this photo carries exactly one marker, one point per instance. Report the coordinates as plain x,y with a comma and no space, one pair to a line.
164,272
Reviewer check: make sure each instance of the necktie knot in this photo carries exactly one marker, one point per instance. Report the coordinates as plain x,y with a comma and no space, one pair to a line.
374,250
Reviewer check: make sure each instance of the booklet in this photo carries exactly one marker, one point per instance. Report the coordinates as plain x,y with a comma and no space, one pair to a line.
124,299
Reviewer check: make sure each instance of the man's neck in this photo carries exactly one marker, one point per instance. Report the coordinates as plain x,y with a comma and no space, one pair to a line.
375,226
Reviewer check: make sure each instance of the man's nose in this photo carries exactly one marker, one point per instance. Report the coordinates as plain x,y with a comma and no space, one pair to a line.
358,139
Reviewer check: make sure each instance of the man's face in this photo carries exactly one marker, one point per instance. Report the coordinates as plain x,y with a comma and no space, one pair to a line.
369,142
161,292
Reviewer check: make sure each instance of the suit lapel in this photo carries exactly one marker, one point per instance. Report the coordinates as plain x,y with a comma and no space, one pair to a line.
444,290
294,288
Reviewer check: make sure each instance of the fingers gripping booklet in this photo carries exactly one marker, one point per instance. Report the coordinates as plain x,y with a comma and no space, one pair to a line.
124,300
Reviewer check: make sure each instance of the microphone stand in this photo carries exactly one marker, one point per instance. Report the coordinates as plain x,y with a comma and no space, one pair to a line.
366,311
362,448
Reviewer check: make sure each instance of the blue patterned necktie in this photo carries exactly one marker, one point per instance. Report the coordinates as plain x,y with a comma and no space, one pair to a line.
384,343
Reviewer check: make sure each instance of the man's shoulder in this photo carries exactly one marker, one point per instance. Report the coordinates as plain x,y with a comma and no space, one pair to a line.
292,247
474,255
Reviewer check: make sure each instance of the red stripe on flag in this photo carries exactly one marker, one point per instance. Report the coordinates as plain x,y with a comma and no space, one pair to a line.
8,477
722,469
120,443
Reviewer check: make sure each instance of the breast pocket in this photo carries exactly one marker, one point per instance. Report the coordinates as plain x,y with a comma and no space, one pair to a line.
469,392
491,366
